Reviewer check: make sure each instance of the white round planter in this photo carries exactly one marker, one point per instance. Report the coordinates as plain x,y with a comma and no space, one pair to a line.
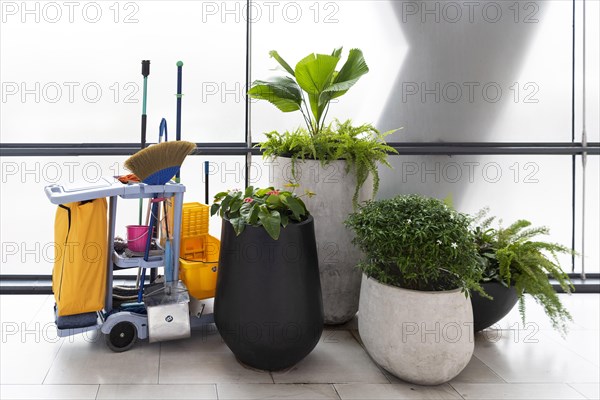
424,338
334,188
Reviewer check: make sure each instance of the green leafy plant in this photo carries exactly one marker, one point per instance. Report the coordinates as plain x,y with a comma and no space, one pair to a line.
361,146
513,257
268,207
315,78
417,243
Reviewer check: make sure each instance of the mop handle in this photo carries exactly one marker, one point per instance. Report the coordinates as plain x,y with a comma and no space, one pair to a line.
145,73
206,196
179,96
153,222
163,130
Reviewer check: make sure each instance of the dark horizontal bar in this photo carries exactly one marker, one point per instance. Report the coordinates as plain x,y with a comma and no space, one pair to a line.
495,148
106,149
25,290
233,149
42,284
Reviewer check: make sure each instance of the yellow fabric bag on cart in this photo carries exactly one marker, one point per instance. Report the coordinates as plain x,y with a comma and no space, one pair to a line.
80,262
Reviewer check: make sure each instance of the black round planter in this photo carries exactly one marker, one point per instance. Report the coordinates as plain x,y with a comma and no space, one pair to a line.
268,306
487,312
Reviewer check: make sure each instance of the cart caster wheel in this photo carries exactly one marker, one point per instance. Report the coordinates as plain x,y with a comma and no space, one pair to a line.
122,337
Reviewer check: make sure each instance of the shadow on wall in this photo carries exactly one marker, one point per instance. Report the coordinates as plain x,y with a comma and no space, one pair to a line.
461,54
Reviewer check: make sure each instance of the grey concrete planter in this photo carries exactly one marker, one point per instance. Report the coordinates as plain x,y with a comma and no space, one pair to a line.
424,338
340,279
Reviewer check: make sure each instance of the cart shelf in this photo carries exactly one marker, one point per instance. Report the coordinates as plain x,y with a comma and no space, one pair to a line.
109,187
137,262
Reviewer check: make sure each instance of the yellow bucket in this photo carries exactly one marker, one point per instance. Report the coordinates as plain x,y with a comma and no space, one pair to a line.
200,274
194,230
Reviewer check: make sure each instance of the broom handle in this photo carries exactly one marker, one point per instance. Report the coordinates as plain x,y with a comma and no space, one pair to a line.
145,73
179,96
206,196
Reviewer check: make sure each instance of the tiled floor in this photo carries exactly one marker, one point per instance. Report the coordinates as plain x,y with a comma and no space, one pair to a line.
514,362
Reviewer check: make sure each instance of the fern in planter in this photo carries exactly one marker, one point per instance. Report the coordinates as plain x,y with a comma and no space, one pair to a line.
512,256
363,147
315,78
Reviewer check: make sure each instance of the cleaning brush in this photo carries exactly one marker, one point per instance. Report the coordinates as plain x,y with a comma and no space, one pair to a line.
158,164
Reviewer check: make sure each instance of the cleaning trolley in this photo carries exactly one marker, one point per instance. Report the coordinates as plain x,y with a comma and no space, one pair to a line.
83,286
86,252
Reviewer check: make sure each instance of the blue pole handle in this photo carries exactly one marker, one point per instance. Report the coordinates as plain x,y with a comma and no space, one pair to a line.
163,130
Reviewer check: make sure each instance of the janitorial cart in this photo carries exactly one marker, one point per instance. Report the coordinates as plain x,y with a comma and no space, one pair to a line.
83,277
86,252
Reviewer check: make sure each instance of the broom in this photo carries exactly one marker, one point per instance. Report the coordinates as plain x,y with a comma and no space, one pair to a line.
157,164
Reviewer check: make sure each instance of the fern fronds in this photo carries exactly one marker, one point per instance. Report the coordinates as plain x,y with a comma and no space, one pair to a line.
513,258
362,147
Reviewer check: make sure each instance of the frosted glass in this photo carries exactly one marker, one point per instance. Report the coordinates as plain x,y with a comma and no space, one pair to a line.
27,229
445,71
536,188
81,81
304,27
592,212
592,76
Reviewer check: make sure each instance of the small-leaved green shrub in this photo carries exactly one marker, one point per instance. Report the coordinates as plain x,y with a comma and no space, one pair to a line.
418,243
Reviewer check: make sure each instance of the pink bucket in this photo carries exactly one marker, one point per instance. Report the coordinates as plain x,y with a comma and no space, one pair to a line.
136,237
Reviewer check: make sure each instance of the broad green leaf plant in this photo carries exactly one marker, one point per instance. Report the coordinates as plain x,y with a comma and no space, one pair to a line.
309,88
315,77
515,256
268,207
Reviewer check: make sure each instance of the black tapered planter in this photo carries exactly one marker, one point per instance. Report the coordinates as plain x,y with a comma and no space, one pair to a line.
268,306
487,312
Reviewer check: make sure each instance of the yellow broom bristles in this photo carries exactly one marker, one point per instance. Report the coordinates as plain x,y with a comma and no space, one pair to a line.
158,157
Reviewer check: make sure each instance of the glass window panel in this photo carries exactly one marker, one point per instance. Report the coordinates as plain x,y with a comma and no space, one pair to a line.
323,26
27,232
81,81
442,70
592,66
536,188
225,173
592,215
